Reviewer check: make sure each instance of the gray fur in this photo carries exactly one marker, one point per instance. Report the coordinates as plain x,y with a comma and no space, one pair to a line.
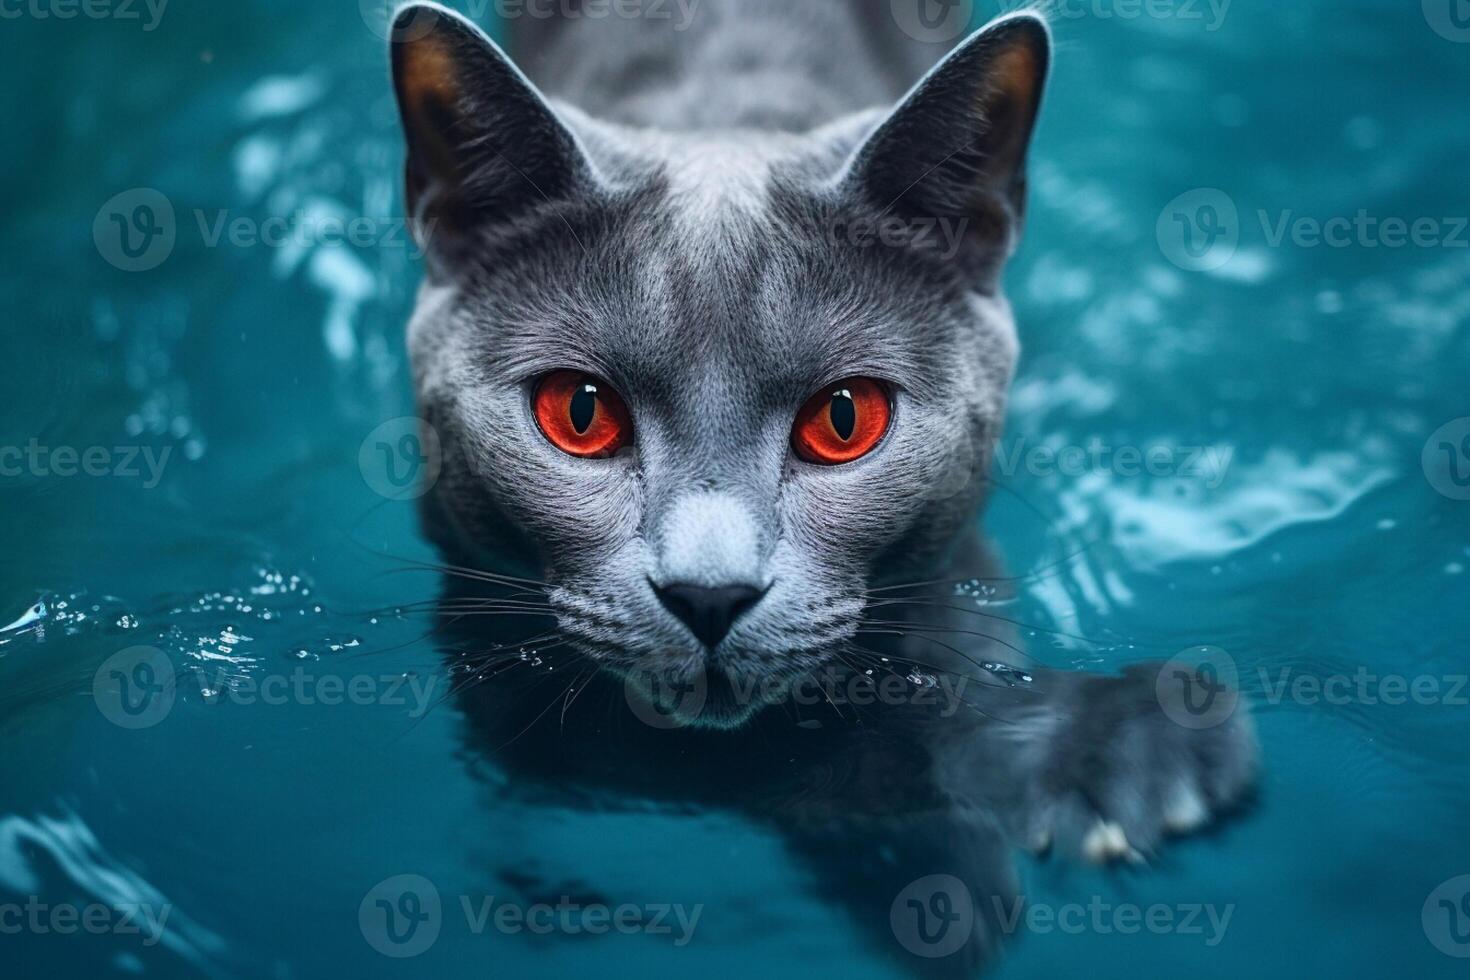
672,220
708,275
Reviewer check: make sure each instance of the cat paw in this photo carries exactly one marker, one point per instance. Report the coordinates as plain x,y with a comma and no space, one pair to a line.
1132,762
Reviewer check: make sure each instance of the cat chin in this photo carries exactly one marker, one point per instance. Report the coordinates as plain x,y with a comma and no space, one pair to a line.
693,696
721,718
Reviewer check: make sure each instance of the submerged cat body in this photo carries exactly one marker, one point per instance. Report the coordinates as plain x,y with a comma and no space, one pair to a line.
713,333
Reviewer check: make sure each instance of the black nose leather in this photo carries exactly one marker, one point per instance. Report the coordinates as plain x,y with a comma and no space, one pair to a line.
709,613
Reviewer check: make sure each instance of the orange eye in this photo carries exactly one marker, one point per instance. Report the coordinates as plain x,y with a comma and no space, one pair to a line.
842,422
581,415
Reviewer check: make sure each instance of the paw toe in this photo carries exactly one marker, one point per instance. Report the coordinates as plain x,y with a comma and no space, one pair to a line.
1106,842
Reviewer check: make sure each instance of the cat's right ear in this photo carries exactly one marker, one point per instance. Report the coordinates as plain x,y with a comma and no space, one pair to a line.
484,147
954,150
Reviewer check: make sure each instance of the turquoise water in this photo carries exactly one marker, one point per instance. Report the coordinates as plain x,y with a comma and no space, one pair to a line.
232,518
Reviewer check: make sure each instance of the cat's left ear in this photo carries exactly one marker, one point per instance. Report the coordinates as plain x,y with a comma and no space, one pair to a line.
955,148
484,147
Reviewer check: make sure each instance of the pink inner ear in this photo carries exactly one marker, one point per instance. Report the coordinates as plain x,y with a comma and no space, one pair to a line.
429,73
1013,75
430,90
1008,105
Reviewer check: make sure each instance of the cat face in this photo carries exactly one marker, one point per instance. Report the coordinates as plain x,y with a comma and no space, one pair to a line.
712,381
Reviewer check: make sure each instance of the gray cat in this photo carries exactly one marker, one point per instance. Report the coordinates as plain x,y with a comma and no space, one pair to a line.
713,336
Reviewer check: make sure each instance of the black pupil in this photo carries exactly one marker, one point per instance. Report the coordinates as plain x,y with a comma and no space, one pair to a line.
844,415
584,407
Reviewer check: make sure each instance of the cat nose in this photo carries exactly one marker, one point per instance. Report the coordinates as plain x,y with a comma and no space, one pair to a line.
708,612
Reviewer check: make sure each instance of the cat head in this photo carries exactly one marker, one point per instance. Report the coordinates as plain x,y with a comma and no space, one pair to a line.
712,381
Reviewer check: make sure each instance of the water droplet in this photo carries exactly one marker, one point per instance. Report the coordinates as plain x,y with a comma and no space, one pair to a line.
1011,675
28,618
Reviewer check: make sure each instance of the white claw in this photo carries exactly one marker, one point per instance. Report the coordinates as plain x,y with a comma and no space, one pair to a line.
1185,811
1106,842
